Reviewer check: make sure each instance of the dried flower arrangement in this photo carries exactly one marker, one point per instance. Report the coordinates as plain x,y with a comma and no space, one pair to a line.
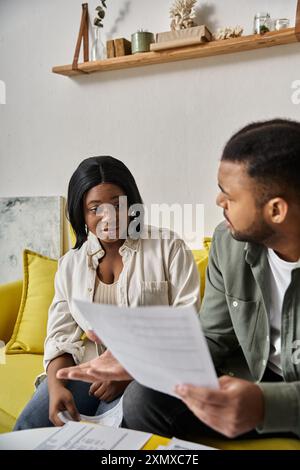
100,14
228,32
182,14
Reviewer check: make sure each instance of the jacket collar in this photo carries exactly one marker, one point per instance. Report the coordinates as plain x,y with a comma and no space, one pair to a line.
95,250
252,252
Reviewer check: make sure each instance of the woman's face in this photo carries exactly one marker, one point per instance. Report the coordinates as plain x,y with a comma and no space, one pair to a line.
102,212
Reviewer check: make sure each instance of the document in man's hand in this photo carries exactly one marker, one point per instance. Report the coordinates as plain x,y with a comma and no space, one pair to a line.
160,346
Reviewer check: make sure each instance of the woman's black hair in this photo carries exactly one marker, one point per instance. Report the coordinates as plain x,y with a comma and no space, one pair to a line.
91,172
271,152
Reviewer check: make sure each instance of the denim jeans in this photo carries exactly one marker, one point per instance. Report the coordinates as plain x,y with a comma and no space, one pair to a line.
36,412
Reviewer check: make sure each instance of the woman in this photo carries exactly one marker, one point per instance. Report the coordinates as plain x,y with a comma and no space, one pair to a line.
116,260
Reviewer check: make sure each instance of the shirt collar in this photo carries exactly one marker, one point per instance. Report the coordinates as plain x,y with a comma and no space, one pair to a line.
95,250
254,250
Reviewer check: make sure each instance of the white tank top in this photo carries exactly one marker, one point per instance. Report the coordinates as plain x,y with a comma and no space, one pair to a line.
105,293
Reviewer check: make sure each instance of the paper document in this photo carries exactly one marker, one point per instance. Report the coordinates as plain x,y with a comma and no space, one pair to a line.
112,417
81,436
179,444
160,347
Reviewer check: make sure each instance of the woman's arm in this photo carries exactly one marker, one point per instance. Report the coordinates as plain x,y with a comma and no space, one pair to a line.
60,398
65,360
63,333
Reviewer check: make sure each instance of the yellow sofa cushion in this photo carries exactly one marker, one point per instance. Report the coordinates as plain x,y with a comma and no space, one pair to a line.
17,379
38,291
201,260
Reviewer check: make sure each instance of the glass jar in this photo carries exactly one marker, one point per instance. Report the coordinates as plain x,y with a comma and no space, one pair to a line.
262,23
98,50
282,23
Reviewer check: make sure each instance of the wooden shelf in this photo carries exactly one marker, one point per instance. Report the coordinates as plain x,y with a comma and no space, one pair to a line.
228,46
213,48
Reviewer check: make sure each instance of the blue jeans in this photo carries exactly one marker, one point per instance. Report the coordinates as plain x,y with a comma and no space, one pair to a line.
36,412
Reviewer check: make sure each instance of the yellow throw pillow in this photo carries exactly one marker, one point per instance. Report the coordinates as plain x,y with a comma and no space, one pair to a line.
201,260
38,292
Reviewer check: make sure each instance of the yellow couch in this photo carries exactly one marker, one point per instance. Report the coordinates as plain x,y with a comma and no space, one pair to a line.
18,374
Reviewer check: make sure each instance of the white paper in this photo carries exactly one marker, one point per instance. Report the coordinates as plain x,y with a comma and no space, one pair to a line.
87,436
112,417
179,444
160,347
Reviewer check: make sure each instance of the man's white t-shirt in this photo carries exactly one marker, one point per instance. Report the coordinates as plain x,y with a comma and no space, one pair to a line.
280,279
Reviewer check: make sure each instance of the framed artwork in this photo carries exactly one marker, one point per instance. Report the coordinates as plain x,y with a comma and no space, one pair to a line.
35,223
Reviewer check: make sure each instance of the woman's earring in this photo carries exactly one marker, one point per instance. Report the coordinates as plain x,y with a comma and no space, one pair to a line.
86,229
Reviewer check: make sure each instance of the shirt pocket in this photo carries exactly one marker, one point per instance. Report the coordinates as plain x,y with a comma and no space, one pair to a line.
244,316
155,293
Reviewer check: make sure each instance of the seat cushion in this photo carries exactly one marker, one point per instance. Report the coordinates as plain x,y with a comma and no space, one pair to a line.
17,379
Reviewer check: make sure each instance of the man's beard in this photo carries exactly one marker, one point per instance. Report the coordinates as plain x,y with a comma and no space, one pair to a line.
260,232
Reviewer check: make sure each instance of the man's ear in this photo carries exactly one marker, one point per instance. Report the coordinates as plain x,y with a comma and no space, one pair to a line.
276,210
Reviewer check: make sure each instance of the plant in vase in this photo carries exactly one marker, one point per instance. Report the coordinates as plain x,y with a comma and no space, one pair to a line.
98,51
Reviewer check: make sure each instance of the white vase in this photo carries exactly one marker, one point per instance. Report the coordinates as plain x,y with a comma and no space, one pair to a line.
98,51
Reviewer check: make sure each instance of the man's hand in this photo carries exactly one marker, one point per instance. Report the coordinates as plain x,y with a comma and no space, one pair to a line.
236,408
103,368
108,390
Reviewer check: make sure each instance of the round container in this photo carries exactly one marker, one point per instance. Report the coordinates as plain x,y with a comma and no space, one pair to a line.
140,41
262,23
282,23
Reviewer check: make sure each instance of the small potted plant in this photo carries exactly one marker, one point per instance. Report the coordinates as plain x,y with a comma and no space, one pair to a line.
98,51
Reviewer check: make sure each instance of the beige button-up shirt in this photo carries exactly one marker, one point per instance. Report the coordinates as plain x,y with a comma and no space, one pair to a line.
156,271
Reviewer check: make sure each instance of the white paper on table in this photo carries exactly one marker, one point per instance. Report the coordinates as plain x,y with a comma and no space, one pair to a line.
160,347
82,436
179,444
112,417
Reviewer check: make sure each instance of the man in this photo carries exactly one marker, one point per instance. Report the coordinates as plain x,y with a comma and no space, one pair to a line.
251,308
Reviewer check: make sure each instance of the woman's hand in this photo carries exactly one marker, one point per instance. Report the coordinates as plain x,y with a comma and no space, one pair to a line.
103,368
108,390
61,399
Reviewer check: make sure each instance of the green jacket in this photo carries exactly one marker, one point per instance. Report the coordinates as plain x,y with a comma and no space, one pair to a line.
234,317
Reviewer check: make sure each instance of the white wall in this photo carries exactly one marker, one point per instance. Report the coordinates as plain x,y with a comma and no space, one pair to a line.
168,122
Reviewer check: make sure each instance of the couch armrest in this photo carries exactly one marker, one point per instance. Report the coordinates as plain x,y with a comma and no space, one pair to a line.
10,298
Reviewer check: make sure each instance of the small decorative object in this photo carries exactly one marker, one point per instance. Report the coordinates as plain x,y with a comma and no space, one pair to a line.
228,32
140,41
182,14
122,47
262,23
118,47
181,38
98,51
110,49
282,23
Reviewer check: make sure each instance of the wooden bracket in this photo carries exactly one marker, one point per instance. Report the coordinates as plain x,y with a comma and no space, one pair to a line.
297,25
83,35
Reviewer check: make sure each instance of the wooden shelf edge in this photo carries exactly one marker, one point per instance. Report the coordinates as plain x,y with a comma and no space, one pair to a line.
228,46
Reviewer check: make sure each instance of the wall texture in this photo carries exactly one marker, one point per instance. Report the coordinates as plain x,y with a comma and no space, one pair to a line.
168,122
